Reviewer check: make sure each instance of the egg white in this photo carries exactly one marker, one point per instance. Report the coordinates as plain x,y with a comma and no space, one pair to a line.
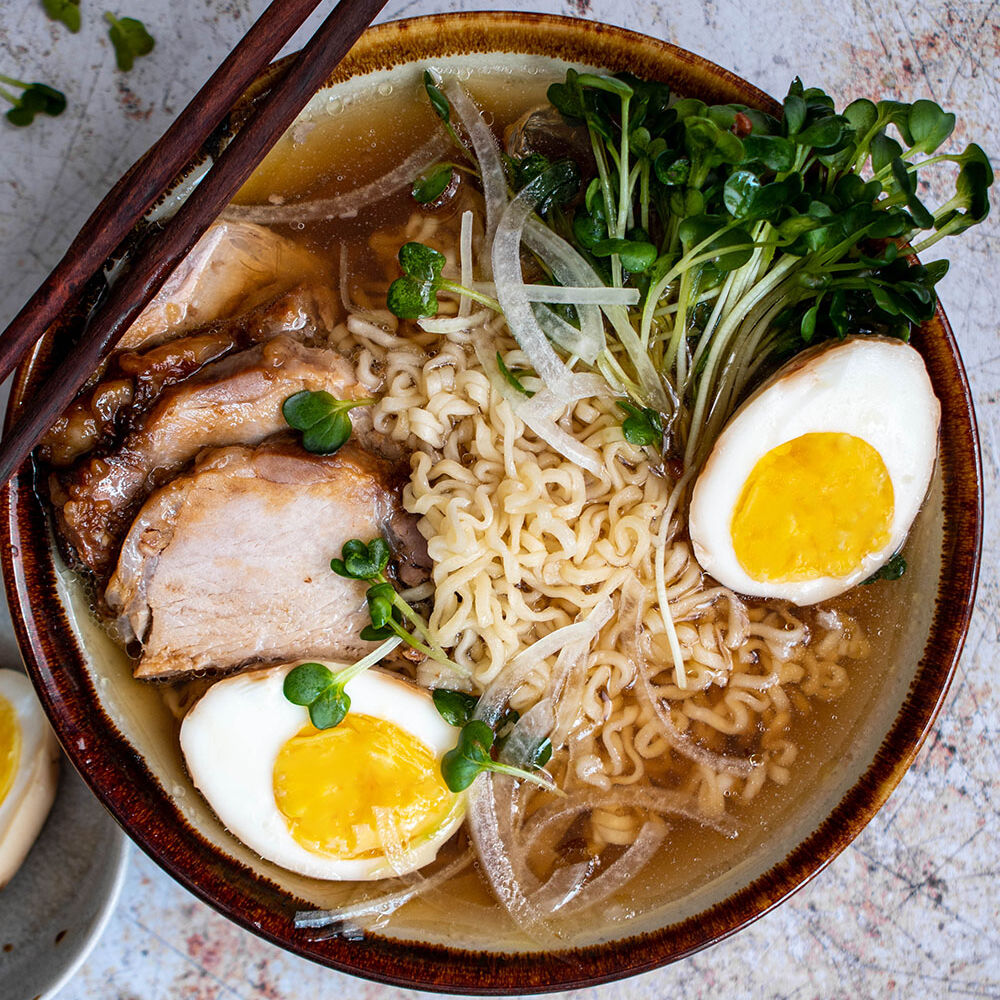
872,388
30,797
232,737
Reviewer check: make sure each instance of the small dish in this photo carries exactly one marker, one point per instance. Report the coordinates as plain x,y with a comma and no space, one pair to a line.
54,910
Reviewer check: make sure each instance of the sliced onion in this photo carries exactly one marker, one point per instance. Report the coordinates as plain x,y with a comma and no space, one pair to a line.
582,295
514,299
386,903
511,888
465,259
349,204
563,442
491,171
570,268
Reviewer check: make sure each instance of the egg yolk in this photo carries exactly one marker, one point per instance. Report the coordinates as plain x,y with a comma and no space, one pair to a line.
333,785
10,746
814,506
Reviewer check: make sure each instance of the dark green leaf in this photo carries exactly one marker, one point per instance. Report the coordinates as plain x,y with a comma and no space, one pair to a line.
862,114
470,757
329,708
66,11
380,605
306,682
929,126
636,257
362,561
511,376
130,39
883,151
421,262
671,169
641,426
408,298
739,191
775,152
540,755
431,184
822,134
322,419
808,325
795,114
892,570
555,185
455,707
438,101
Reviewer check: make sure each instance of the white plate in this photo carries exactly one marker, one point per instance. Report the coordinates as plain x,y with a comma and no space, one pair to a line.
54,909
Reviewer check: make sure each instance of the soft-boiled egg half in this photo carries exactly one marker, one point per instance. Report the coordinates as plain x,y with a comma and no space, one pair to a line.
29,771
814,483
363,800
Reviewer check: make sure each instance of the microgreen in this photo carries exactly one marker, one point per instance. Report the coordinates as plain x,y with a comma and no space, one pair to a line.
472,756
892,570
751,236
390,614
432,182
36,98
641,426
415,294
129,38
66,11
322,419
455,707
320,690
511,376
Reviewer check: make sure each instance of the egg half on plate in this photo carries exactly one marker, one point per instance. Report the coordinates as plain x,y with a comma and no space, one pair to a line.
363,800
814,483
29,771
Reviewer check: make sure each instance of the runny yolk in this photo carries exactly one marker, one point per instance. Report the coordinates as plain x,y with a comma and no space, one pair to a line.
10,746
334,786
814,506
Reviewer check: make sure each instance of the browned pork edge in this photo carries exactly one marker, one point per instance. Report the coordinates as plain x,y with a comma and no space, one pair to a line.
229,563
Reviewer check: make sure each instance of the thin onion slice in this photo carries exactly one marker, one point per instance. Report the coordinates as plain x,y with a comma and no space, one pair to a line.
347,205
491,171
386,903
465,259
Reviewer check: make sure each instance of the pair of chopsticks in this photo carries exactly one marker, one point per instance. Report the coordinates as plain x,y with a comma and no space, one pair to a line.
146,181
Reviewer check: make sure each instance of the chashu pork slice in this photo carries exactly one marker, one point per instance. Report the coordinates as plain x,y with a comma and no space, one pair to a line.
232,268
233,401
230,563
133,380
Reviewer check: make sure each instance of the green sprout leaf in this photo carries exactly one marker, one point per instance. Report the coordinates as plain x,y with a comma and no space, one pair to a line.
130,39
66,11
641,426
470,757
322,419
362,561
511,376
455,707
438,101
35,99
320,690
892,570
432,183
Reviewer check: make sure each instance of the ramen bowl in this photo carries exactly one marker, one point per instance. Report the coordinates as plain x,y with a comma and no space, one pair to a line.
123,740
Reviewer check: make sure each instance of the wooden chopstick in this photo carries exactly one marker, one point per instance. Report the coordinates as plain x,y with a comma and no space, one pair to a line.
155,261
148,177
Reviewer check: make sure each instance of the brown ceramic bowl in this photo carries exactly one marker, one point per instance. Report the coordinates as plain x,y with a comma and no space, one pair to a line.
117,733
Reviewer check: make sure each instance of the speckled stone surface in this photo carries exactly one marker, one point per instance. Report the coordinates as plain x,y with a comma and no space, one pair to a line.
912,908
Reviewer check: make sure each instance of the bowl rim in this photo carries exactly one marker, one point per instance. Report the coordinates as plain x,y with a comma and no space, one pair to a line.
119,777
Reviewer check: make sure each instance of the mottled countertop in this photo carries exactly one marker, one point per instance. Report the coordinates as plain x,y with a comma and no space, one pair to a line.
912,907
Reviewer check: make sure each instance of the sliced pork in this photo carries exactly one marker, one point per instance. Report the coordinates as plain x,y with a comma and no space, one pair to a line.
232,268
230,563
133,380
236,400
